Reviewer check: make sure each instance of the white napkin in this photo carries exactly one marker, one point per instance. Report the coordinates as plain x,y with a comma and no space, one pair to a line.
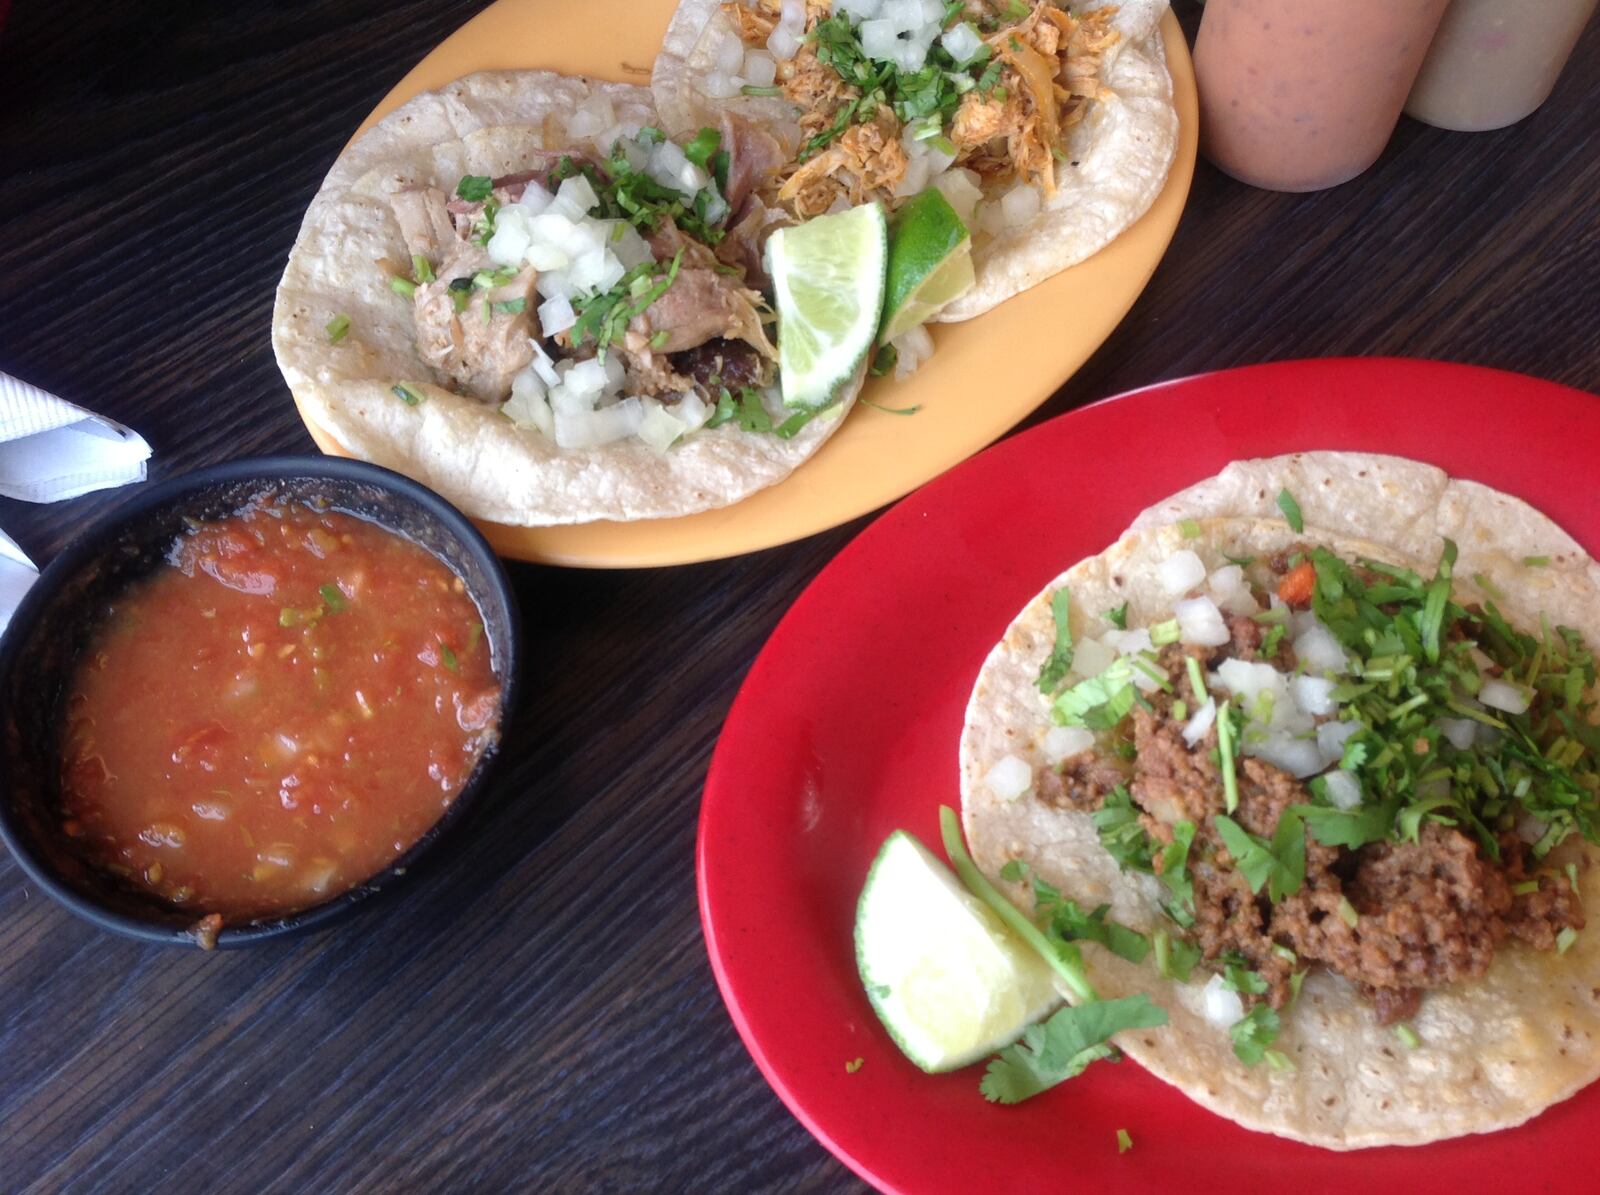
51,450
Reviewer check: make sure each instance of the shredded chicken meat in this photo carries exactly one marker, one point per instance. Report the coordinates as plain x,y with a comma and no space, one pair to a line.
1049,73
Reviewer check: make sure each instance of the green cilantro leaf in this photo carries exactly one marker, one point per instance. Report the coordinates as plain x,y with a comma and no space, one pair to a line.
475,188
1254,1033
1291,511
1121,833
1063,1046
1055,668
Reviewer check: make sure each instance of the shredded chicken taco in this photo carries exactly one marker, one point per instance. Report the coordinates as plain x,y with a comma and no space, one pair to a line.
1316,765
520,291
1049,126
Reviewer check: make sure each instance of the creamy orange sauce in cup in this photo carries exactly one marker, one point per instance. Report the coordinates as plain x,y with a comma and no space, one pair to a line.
1298,95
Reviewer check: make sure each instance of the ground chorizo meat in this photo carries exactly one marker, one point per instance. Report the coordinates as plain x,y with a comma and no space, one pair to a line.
1081,781
1428,913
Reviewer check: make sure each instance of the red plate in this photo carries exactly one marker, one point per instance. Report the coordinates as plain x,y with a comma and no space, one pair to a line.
846,729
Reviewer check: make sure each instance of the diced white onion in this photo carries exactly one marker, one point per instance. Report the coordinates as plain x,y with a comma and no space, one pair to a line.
760,68
616,376
543,366
784,43
1021,205
961,42
629,247
692,411
1091,658
1299,757
574,198
1331,738
1201,723
1502,695
1061,742
591,429
1148,675
587,378
1009,778
1127,642
1461,732
914,179
556,315
1529,828
509,244
913,347
991,219
1313,694
1199,621
1344,789
1180,572
719,86
880,39
856,10
960,188
527,406
659,428
535,199
1318,651
670,168
730,54
1230,590
1220,1004
593,115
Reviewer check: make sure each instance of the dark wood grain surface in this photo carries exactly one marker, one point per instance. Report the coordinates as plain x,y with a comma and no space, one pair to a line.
537,1013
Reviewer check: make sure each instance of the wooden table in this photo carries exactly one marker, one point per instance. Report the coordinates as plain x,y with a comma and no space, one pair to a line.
537,1013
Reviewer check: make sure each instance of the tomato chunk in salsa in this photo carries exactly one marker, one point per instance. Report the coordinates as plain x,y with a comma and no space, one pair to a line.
277,714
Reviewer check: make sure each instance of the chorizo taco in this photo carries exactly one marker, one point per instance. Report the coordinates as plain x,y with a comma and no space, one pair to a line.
1049,126
1320,733
521,292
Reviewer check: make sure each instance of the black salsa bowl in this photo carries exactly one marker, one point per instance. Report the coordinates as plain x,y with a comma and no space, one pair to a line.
58,615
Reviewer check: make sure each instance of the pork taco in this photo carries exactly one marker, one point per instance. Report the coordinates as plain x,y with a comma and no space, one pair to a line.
1341,789
519,291
1050,126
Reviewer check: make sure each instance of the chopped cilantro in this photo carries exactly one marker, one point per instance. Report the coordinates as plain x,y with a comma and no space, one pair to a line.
1175,957
1121,833
421,268
403,286
1070,923
1226,751
1291,511
1119,617
1064,1046
1099,702
475,188
603,317
1407,1035
448,657
1253,1033
1279,866
1347,912
405,394
510,306
1565,939
1536,561
853,1065
332,598
1014,872
337,328
1190,528
1124,1142
1054,671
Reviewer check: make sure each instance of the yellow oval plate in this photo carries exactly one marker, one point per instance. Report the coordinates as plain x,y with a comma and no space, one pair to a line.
986,374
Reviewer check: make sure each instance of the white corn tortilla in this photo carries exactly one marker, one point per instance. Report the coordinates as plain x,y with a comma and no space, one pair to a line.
1494,1052
465,449
1123,149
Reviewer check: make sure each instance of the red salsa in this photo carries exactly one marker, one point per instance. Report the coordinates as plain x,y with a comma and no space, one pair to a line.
277,714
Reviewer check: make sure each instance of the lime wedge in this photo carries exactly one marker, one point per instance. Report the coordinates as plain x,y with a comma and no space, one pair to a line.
948,980
828,277
930,262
